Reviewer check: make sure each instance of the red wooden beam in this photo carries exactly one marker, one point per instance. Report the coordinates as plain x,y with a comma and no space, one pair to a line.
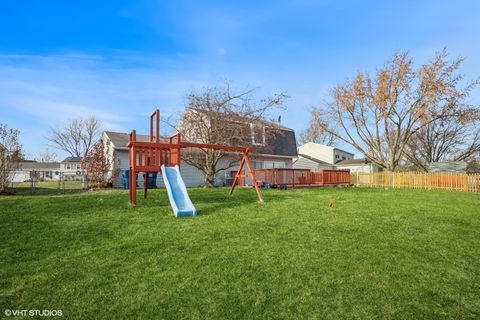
183,144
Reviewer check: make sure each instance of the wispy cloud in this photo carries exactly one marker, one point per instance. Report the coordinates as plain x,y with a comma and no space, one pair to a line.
43,91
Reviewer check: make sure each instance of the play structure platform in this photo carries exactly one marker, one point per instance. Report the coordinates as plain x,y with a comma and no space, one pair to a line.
164,155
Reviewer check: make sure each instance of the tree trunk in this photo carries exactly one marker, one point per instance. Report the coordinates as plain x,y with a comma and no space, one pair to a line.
209,180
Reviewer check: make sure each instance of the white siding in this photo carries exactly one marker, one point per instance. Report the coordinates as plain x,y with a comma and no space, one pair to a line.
19,176
318,151
324,153
359,168
304,163
342,155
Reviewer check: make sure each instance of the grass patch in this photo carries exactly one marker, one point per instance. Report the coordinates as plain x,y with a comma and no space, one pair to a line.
48,188
376,254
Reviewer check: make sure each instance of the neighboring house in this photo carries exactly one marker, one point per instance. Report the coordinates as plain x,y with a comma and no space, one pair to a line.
279,153
448,166
44,171
71,168
328,154
318,157
306,162
357,165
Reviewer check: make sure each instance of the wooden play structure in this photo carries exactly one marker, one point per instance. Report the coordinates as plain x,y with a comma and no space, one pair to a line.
149,156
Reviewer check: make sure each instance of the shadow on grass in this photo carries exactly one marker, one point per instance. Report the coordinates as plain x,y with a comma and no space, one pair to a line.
26,191
210,201
222,201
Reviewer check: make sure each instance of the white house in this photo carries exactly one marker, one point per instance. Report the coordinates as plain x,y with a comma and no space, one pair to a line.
279,154
327,154
357,165
71,168
41,170
318,157
306,162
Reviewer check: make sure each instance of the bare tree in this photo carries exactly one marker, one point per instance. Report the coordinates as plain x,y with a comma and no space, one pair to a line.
316,131
77,137
47,156
221,116
445,139
473,166
10,155
379,116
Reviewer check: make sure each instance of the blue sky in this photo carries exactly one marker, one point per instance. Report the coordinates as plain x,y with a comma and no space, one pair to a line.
119,60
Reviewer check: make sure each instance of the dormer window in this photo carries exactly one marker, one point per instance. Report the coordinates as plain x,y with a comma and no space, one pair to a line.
258,134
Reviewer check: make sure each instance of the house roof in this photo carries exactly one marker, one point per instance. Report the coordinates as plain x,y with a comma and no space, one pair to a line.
72,159
351,162
282,143
310,163
120,139
448,166
243,119
313,159
33,165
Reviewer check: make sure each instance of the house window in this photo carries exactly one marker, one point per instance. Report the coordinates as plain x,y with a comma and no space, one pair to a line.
344,158
337,156
273,164
279,164
68,166
258,134
257,164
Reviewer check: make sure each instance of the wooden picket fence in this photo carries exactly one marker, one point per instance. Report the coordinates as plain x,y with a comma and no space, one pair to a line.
418,180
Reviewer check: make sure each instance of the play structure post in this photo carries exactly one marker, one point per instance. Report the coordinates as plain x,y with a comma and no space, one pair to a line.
155,117
246,161
132,172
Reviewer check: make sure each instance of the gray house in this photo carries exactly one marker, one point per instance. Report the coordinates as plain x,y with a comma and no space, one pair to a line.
278,154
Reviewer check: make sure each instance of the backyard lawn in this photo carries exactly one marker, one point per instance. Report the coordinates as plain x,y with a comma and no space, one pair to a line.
48,187
408,254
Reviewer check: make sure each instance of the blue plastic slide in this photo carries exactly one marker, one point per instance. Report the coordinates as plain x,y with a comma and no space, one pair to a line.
177,192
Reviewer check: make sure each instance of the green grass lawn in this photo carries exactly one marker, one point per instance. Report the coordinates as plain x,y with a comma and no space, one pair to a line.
385,254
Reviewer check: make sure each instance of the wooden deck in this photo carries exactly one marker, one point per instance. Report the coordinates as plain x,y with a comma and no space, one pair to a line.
299,178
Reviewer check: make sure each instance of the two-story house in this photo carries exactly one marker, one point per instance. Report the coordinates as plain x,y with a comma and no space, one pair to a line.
318,157
71,168
327,154
278,151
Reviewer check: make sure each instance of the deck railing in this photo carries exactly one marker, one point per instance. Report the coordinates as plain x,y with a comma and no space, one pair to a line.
418,180
302,177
